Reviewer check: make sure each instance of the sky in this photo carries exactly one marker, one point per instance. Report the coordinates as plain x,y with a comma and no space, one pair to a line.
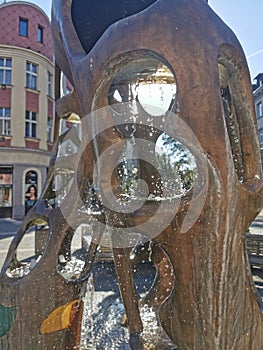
244,17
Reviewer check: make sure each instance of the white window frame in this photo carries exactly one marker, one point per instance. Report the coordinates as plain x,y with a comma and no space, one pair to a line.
31,75
5,121
49,129
259,109
6,69
31,124
50,84
40,34
23,30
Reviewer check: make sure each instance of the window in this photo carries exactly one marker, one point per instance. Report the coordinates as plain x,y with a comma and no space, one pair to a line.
23,27
31,178
5,121
5,71
49,129
40,32
31,124
31,76
261,137
30,189
6,181
49,84
259,110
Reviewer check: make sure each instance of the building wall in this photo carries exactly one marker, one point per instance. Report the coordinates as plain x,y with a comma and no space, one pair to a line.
9,24
20,154
19,97
258,101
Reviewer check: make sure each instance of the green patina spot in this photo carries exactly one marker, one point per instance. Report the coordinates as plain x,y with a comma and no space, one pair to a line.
7,318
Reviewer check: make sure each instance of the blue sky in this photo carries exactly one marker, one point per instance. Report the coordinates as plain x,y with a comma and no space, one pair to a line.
244,17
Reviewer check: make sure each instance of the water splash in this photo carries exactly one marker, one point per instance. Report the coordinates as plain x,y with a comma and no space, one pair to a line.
87,336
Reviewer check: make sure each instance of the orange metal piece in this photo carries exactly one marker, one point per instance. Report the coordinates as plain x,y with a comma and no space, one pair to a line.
61,318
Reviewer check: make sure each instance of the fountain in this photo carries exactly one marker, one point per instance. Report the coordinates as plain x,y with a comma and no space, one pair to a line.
166,171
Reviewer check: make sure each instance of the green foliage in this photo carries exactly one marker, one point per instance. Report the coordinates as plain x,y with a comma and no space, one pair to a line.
175,164
129,178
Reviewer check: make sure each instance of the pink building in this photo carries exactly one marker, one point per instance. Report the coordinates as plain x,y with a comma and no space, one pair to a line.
26,103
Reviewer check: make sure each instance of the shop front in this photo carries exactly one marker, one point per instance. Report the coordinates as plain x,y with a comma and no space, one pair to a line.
6,191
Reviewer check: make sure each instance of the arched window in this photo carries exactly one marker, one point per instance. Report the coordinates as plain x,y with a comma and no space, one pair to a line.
31,183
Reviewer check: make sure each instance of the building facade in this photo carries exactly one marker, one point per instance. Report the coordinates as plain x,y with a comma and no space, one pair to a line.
258,100
26,103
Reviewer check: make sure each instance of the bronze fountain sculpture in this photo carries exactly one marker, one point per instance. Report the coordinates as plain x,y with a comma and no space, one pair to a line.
198,236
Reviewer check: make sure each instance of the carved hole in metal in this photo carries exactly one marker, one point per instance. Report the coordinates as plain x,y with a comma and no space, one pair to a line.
85,15
176,165
128,173
239,116
30,250
62,182
72,254
65,165
146,81
231,122
175,175
70,145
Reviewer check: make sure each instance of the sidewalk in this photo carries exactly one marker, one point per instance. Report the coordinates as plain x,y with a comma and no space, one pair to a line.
8,227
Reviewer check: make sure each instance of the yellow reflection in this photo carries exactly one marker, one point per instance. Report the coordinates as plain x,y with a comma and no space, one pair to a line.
73,118
60,318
